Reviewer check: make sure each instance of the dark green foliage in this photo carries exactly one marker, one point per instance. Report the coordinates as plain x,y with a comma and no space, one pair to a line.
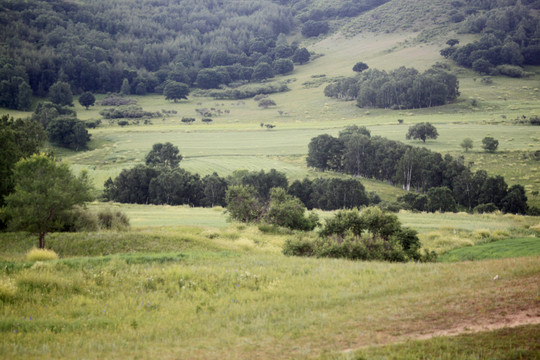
414,201
68,132
131,186
422,131
312,28
214,188
301,56
440,199
242,203
413,168
515,201
283,66
87,99
489,144
18,139
247,91
485,208
288,211
175,91
345,89
262,182
175,186
47,111
367,235
165,154
80,43
127,111
509,38
299,246
402,88
44,192
325,153
360,66
334,193
263,71
60,94
125,89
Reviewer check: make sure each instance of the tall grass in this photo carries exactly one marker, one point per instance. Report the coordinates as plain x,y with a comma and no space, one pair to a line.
255,305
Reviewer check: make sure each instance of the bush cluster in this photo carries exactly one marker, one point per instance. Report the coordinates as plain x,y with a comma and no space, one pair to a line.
367,235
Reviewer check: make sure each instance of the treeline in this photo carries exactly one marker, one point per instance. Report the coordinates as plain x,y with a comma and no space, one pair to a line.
95,45
511,38
441,183
161,181
403,88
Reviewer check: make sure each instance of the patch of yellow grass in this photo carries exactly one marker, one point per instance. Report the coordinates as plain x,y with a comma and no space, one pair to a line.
41,255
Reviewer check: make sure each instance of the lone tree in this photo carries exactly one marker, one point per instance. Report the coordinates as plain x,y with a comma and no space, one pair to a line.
175,91
360,66
422,131
45,192
87,99
164,154
489,144
467,144
60,94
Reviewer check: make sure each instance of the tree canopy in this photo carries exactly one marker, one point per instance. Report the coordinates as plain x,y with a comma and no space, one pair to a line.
87,99
422,131
164,154
45,191
175,91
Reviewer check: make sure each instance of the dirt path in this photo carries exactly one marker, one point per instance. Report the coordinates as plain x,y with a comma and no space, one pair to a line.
526,317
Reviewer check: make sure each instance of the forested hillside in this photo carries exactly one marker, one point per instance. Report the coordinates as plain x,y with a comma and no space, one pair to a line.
97,45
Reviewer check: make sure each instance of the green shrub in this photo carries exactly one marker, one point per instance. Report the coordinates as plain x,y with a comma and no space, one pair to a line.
113,220
299,246
80,219
485,208
41,255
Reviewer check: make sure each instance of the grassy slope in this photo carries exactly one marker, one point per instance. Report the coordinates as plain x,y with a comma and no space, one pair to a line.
223,294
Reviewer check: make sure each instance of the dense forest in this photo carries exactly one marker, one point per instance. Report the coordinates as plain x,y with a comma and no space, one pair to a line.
138,46
510,37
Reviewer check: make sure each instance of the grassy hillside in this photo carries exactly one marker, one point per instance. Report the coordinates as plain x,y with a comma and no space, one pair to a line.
200,293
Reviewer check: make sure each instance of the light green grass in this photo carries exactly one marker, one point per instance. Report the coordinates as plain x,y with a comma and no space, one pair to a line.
252,306
507,248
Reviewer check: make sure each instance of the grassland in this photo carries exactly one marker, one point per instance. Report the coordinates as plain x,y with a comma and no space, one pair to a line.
199,292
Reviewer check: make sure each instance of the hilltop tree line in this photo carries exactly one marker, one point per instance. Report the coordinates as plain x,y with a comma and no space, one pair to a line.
138,46
511,38
161,181
439,182
403,88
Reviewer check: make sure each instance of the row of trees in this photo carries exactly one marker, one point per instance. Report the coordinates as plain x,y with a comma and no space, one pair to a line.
162,181
403,88
137,46
355,152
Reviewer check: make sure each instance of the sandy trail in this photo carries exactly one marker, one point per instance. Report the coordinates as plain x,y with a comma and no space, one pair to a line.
525,317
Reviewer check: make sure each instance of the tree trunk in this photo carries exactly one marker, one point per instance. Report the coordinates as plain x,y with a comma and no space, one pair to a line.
42,240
